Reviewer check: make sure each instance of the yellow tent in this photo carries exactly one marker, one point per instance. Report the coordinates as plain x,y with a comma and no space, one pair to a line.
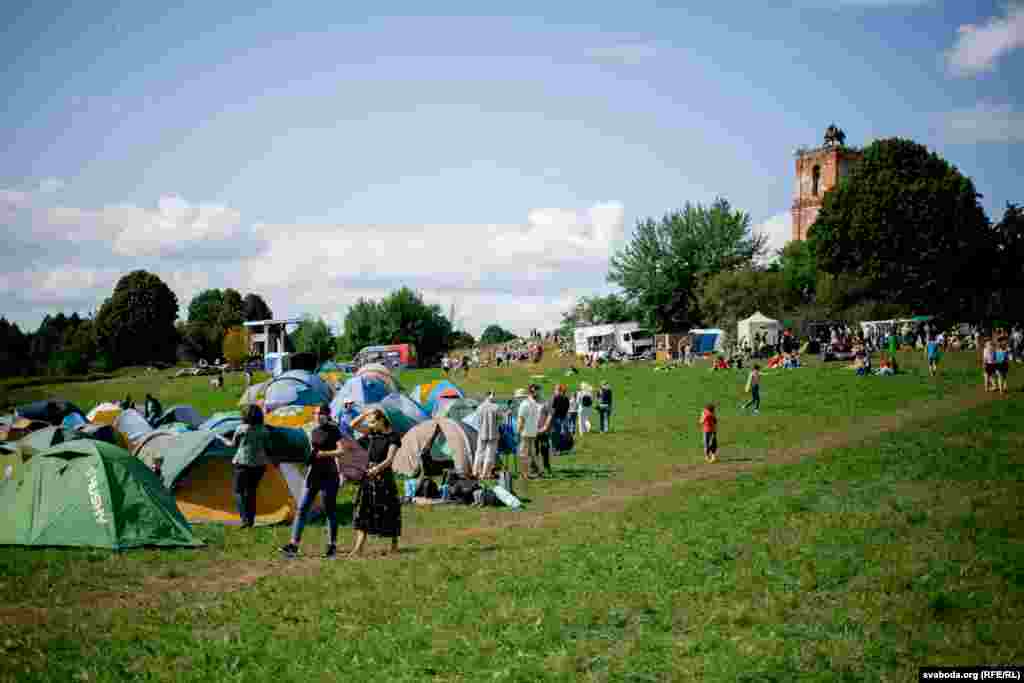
104,414
196,467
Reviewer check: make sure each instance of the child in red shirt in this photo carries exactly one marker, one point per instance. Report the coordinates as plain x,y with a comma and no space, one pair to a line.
710,425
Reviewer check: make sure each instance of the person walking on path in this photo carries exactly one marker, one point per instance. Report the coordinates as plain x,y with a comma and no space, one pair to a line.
709,425
322,477
528,424
250,462
604,407
932,349
487,438
754,389
378,511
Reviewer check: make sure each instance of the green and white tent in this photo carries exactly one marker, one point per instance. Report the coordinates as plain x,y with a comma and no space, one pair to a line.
93,494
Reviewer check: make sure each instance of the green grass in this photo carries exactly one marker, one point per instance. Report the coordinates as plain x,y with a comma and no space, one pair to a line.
881,552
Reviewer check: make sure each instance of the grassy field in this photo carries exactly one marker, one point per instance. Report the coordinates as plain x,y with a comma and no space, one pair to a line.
855,530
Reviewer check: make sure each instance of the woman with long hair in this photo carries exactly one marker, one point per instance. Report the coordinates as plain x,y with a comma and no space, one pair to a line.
378,511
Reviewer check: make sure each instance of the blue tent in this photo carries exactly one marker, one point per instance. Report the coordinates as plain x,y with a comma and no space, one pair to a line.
707,341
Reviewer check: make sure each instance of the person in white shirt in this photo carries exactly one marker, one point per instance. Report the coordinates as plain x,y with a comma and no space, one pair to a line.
487,438
585,405
529,425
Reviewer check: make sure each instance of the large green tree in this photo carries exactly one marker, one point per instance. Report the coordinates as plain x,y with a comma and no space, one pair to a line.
205,307
496,334
662,267
232,311
732,295
255,308
1006,293
136,324
314,336
910,223
402,317
799,269
14,349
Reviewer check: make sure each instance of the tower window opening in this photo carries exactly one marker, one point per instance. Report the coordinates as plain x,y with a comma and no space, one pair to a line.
815,179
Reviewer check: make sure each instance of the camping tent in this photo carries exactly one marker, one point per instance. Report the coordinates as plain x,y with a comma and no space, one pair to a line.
181,413
197,468
427,394
296,388
53,410
90,493
254,394
224,423
403,412
363,389
295,417
455,408
39,441
758,323
332,373
453,444
707,341
381,372
104,413
21,427
131,427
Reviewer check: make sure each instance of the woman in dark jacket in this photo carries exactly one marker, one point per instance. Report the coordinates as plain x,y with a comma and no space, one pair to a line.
378,511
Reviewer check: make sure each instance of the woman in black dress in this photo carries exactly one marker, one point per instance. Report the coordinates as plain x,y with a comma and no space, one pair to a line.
377,508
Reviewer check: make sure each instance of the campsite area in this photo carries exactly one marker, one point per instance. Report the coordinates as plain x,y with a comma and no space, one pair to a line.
856,529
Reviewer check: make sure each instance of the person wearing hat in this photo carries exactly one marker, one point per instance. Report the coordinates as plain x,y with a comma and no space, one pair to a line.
346,416
604,407
322,477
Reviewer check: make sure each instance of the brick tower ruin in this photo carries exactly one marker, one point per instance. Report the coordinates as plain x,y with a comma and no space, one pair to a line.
818,171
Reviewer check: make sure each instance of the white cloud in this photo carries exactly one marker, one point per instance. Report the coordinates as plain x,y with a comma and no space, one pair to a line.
174,227
519,275
14,198
51,185
978,47
779,230
986,122
624,53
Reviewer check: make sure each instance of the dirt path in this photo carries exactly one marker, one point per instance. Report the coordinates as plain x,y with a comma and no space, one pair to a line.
245,573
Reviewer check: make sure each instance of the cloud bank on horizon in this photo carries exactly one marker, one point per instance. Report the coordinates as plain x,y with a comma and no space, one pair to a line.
522,276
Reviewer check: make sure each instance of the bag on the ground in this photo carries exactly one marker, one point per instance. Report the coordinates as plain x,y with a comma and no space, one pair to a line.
505,480
563,441
461,490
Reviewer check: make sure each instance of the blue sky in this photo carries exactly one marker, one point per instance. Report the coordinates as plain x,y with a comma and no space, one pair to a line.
502,157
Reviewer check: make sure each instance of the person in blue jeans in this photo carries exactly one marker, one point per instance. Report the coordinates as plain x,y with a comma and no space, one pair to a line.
322,476
604,406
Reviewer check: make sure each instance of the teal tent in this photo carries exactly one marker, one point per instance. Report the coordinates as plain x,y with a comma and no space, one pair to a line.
93,494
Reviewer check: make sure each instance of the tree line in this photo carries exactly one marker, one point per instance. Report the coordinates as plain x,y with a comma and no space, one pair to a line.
138,325
903,233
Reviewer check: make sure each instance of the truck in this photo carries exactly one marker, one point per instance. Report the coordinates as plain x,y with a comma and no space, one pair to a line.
626,339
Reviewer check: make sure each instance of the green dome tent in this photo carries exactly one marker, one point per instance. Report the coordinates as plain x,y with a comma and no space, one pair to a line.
93,494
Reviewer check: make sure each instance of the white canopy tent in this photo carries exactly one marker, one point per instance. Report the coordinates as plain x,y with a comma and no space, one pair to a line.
746,329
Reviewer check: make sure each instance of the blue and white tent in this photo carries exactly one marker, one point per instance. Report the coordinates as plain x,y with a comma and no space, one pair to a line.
707,340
